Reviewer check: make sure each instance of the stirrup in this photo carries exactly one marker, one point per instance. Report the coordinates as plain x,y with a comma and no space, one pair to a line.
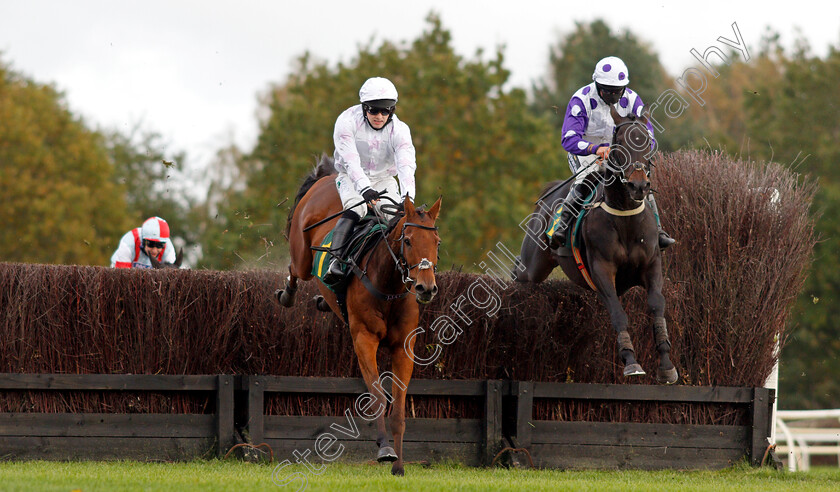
665,240
334,273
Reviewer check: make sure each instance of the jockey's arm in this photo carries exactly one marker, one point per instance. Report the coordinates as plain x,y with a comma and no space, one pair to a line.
344,138
574,127
406,162
124,254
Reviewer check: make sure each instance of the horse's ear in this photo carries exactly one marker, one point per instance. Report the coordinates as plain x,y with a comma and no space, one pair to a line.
179,258
408,206
644,117
615,116
435,210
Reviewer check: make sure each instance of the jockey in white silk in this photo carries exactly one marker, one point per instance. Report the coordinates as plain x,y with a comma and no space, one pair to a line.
372,147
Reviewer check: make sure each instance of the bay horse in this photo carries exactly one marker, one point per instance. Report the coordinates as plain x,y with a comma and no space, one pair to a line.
618,242
400,271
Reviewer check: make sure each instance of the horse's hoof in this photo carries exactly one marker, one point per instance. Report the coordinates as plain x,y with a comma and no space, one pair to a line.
386,454
667,376
284,298
397,471
321,304
634,370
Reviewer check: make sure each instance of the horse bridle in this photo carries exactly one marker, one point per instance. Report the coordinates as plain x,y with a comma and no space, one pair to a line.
400,262
633,166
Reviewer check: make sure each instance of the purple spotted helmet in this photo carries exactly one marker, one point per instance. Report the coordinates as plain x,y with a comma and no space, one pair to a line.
611,71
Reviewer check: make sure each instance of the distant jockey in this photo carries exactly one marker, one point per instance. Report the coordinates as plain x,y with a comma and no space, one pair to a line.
138,245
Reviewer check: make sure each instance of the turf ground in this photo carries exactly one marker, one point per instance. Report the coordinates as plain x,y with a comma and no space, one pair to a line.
238,476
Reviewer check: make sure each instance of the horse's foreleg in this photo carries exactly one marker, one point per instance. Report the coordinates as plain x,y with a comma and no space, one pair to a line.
402,366
366,343
603,276
667,373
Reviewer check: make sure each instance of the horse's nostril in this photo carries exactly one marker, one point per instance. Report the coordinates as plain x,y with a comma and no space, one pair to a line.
434,290
419,288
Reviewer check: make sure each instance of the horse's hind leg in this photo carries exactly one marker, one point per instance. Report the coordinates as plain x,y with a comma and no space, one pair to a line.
286,296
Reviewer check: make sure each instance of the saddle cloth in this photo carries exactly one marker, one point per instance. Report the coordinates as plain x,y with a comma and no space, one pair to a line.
365,236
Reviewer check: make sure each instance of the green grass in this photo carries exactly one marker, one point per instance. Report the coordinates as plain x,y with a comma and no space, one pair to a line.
237,476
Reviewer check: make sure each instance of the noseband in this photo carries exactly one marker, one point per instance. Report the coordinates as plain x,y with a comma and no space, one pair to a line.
402,263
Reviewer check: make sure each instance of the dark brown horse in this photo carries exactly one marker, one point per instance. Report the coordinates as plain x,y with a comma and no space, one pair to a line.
179,257
401,271
618,247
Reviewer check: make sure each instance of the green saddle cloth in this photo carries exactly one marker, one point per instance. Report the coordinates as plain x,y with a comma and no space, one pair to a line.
322,258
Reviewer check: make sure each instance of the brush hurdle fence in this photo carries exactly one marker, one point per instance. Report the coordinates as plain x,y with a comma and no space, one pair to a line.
506,423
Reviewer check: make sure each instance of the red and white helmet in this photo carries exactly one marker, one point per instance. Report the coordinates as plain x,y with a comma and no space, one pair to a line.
155,229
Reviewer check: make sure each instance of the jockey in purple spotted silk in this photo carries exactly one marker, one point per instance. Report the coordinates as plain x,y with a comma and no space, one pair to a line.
587,133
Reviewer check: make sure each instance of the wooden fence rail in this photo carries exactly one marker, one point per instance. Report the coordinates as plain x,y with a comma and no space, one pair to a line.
580,444
506,421
112,436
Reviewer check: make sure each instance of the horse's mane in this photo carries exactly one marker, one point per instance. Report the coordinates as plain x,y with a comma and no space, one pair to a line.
324,167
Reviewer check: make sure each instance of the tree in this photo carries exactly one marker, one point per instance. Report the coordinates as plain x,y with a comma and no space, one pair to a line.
477,144
572,61
154,181
59,203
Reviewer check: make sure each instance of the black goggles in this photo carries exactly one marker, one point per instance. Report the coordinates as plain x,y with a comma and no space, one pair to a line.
375,111
155,244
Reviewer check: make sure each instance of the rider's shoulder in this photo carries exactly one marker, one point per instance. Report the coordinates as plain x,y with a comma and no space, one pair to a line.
585,92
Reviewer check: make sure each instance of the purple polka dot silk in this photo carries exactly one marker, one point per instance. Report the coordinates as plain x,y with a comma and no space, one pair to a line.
586,90
623,101
593,103
621,76
607,67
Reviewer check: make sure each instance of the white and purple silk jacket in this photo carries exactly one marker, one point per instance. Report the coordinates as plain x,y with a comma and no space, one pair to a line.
588,123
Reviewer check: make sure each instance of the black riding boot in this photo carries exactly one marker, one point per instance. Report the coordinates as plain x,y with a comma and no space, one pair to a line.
571,205
343,230
664,239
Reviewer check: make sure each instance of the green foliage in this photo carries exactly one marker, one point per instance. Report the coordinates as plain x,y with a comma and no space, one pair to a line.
153,180
59,204
478,145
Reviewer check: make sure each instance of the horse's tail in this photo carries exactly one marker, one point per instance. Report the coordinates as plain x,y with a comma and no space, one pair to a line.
324,167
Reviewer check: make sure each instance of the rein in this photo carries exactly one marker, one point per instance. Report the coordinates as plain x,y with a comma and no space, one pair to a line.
400,263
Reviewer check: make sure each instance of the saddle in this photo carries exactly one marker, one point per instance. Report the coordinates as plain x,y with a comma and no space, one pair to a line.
365,237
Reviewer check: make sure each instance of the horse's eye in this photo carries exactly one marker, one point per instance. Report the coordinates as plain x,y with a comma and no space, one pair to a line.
407,242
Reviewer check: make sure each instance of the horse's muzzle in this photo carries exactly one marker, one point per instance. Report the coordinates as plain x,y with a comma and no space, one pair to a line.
638,189
424,293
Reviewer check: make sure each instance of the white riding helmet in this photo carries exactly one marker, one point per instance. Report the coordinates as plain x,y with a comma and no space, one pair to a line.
378,92
155,229
611,71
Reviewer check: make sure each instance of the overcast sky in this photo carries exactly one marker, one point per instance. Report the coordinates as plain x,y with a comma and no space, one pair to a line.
192,70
